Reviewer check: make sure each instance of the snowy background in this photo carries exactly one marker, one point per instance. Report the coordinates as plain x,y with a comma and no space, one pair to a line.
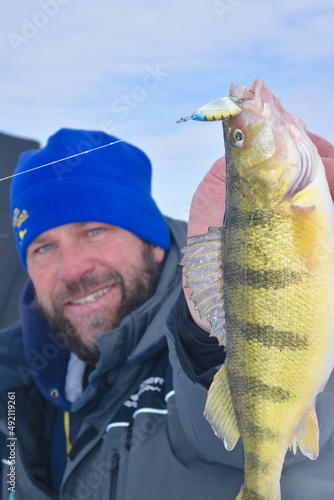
130,66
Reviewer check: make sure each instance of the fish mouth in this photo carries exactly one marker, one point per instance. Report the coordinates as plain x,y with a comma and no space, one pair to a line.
259,99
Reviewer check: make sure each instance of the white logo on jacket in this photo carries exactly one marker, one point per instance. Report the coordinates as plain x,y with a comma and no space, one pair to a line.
150,384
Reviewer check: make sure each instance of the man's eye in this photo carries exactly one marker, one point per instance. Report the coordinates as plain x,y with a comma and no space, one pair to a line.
45,248
97,230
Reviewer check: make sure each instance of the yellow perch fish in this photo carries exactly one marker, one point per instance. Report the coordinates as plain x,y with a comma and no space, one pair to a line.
265,281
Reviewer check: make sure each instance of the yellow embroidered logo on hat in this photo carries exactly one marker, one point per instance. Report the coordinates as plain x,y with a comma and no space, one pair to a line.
19,217
22,233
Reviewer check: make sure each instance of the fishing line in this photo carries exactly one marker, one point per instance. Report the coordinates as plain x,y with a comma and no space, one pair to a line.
95,149
220,109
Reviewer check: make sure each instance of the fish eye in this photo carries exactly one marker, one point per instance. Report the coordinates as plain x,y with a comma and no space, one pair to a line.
237,138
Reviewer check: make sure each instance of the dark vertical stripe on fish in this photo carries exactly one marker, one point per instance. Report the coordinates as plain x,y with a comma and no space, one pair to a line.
261,433
274,279
252,495
242,385
255,463
267,335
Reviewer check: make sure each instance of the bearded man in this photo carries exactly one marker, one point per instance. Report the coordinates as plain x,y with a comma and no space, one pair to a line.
103,274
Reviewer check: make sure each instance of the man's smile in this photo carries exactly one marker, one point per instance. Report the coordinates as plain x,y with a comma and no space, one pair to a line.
92,297
102,299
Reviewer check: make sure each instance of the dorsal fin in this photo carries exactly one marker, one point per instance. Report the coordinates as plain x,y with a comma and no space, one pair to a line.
202,262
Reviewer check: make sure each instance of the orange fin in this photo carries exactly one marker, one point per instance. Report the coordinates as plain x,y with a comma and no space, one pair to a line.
307,435
219,409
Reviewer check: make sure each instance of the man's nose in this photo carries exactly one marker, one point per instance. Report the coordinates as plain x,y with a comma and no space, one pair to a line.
74,262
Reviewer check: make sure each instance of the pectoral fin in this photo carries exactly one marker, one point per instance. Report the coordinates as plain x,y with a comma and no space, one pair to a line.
307,435
219,410
202,262
301,209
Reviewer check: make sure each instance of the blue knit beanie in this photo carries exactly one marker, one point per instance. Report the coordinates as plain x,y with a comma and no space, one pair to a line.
110,185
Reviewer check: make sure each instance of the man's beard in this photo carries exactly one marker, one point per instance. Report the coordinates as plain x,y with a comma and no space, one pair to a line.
139,290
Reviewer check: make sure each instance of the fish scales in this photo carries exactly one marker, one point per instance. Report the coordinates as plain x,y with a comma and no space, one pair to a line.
278,295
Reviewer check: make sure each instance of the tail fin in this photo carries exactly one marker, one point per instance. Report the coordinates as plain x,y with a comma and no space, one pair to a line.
246,494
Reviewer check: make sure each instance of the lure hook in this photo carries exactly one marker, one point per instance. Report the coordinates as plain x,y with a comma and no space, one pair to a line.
183,119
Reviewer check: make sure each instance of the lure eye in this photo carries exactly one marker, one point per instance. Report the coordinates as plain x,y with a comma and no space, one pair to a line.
237,138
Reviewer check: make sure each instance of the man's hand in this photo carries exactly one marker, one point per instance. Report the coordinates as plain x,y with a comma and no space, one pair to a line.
326,151
207,209
208,203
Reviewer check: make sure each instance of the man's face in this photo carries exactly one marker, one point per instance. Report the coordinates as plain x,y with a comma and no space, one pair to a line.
88,277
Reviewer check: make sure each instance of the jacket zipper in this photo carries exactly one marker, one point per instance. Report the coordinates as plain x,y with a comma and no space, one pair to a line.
114,475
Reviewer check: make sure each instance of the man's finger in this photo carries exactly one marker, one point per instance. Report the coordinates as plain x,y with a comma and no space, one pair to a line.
325,148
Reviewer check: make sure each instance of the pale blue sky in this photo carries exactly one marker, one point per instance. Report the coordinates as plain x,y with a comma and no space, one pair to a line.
130,66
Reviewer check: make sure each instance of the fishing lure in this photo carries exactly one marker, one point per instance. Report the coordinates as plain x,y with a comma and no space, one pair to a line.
219,109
